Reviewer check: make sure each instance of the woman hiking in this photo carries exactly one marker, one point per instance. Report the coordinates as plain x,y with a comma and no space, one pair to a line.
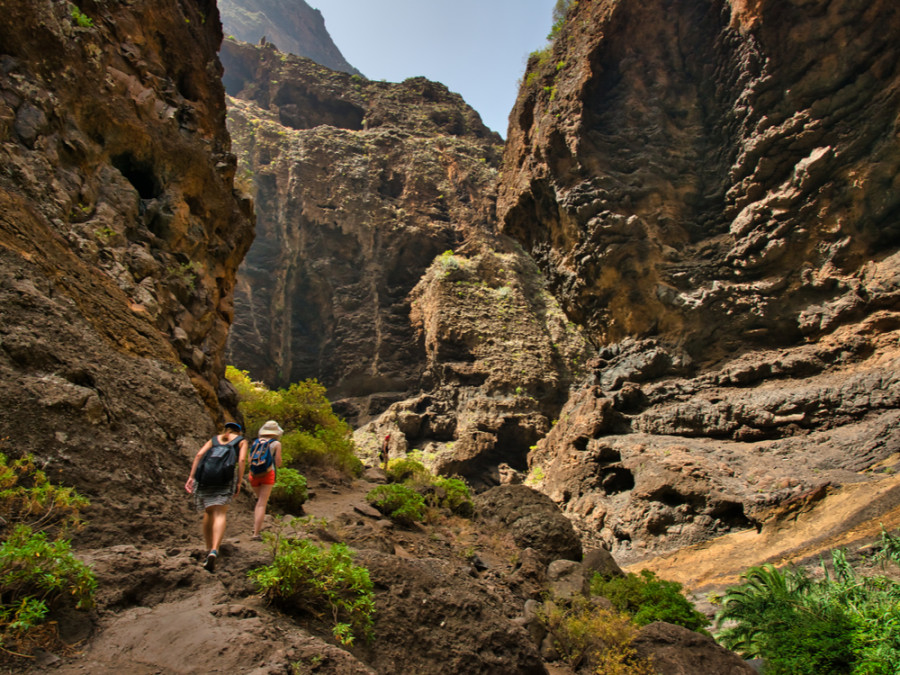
215,479
265,457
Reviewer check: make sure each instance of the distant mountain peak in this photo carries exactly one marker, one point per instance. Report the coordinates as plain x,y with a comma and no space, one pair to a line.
291,25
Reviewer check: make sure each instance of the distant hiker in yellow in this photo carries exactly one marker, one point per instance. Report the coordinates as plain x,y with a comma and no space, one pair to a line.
215,479
265,457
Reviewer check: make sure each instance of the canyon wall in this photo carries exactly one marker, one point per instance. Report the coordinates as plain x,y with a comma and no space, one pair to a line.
120,237
711,191
377,268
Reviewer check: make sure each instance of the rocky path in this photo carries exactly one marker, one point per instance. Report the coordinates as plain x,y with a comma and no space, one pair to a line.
160,613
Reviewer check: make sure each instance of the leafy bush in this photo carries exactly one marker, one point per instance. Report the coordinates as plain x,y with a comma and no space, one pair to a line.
38,572
649,599
28,497
452,494
80,18
314,435
398,502
289,491
305,577
403,469
841,623
585,633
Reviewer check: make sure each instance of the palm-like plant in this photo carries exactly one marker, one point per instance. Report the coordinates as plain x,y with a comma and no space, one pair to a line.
758,605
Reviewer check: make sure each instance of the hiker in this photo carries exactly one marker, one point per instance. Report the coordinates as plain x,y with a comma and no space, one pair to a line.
214,481
385,452
265,457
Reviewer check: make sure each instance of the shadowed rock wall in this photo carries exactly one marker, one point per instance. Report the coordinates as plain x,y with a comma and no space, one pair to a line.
120,238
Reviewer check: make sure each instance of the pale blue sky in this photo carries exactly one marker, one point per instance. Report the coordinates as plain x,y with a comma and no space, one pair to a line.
478,48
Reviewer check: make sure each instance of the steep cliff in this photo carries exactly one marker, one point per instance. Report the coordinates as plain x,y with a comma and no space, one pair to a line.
377,269
120,237
711,189
292,26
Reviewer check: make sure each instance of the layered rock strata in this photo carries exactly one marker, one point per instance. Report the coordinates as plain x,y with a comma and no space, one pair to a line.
120,237
711,190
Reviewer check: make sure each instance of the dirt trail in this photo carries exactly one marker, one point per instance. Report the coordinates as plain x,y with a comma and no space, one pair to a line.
156,605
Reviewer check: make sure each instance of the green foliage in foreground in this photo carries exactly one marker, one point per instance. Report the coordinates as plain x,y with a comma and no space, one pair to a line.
289,491
314,435
592,638
37,569
841,623
648,598
306,578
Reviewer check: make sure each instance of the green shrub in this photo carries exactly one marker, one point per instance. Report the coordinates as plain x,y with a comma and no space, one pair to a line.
453,494
403,469
649,599
289,491
841,623
80,18
38,572
28,497
306,578
398,502
586,634
314,435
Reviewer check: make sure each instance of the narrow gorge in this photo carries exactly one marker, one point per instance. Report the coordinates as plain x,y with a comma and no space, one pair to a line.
657,327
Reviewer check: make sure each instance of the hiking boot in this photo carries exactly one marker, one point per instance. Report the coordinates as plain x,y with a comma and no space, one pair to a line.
210,564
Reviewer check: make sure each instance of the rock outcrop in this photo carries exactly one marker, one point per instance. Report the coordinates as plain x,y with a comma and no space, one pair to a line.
291,26
717,205
120,237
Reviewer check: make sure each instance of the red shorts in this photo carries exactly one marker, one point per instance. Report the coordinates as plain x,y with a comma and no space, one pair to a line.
267,478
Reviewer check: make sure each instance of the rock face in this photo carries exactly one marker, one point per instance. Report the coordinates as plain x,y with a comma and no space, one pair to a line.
291,25
377,270
120,237
533,520
717,204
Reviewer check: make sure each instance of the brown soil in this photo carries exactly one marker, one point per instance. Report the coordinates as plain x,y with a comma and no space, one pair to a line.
156,604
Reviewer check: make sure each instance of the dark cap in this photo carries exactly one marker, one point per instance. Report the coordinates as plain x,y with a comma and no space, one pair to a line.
234,425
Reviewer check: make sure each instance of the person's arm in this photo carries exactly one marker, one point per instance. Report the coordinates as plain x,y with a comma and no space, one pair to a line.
189,485
242,461
277,447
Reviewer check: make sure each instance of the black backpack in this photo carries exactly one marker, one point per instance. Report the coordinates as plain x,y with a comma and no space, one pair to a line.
218,463
261,458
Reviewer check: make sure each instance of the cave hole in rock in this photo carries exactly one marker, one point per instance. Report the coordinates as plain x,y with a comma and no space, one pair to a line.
669,496
140,174
616,480
731,514
80,376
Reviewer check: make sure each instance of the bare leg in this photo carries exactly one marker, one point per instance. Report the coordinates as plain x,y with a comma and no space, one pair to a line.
259,512
207,530
215,515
